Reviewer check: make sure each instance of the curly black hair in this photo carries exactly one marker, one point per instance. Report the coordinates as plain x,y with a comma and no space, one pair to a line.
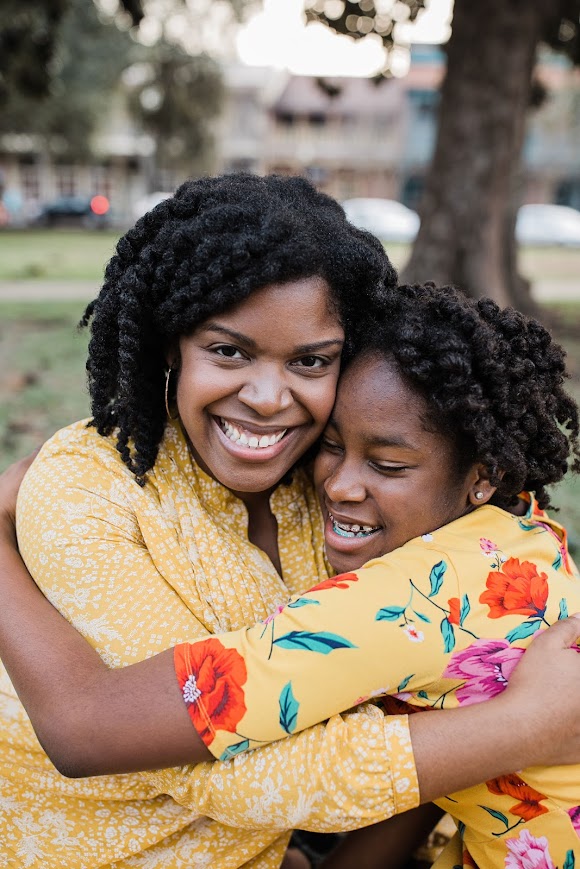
492,380
207,248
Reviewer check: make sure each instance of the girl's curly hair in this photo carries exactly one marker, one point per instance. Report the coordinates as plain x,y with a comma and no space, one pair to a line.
207,248
492,380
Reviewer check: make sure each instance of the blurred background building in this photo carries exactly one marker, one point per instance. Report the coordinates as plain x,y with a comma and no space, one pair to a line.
353,137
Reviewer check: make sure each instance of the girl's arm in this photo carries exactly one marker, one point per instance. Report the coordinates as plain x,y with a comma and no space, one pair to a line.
92,720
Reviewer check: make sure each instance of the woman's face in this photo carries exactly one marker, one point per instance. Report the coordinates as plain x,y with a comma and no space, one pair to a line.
257,383
382,477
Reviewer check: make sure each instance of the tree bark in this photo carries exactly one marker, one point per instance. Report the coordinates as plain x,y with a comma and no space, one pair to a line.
470,201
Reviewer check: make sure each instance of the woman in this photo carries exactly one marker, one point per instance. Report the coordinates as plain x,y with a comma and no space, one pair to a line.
144,510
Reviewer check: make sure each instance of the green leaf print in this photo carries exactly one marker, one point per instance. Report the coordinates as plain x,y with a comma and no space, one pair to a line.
303,601
448,635
389,613
570,861
526,527
557,562
308,641
465,609
423,695
288,709
497,815
405,682
422,617
526,629
238,748
563,609
436,577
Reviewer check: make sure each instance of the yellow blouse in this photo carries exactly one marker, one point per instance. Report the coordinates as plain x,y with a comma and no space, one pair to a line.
137,570
439,623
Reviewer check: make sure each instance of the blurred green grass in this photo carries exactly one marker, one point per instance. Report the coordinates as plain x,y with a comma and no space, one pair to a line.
42,382
67,254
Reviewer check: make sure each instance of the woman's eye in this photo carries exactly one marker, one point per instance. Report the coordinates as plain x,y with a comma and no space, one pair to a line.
311,362
228,351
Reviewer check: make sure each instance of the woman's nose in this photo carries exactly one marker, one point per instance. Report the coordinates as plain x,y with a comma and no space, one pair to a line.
344,484
267,393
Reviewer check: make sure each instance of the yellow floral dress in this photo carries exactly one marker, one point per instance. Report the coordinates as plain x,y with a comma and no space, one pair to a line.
137,570
439,623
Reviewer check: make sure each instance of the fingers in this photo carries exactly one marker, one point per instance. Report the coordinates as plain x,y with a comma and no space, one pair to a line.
561,635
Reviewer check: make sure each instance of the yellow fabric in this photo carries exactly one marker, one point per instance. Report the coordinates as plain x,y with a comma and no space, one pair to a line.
440,622
137,571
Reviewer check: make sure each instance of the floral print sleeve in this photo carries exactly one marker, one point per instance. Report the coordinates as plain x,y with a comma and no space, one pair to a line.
439,623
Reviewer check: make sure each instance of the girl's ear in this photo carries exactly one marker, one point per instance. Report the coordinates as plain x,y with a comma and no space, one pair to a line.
481,490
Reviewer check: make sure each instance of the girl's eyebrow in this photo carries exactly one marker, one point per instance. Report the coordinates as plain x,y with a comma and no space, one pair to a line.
302,349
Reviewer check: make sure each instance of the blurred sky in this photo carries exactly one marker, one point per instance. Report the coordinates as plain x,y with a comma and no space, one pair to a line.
278,37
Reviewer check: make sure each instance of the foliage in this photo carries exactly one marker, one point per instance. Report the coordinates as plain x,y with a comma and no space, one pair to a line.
361,18
80,84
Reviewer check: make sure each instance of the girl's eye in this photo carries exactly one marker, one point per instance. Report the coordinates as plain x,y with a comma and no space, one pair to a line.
312,362
228,351
330,446
389,469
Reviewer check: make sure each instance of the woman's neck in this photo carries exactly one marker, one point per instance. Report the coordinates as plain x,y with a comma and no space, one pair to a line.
262,524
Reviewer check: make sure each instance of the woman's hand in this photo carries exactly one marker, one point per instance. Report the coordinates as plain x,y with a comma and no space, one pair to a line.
10,482
545,689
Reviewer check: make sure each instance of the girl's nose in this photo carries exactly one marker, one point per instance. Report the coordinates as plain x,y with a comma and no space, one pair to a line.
344,484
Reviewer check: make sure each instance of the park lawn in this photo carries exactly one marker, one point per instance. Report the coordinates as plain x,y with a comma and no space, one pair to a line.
42,382
68,255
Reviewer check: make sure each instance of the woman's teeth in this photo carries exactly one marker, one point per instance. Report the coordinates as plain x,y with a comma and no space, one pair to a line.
344,530
247,439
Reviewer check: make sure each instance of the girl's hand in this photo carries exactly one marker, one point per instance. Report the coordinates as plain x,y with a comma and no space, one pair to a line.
545,686
10,482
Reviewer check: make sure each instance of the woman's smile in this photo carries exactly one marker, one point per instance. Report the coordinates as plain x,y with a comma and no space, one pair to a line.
252,443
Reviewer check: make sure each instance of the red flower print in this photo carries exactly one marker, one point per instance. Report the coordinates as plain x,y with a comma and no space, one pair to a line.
513,786
454,610
211,678
518,588
340,581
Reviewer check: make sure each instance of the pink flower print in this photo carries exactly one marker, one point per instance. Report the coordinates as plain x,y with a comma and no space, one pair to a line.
527,852
486,666
488,547
575,818
413,634
273,615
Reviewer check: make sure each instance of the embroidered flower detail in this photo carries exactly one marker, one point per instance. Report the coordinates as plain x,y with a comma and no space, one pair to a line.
488,547
427,537
517,589
340,581
218,674
191,692
512,785
527,852
413,634
486,666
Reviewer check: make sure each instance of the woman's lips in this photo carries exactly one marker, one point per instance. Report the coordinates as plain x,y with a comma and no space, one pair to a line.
253,452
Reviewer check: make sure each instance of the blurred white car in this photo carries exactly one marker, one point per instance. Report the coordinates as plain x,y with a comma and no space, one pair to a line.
548,224
387,219
146,203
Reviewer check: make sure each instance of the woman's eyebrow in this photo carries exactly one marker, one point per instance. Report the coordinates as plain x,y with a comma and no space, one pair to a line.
305,349
230,333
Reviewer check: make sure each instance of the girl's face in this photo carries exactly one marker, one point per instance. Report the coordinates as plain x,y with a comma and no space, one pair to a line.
257,383
382,477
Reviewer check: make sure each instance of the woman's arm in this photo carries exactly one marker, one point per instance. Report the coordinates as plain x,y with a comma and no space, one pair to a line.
92,720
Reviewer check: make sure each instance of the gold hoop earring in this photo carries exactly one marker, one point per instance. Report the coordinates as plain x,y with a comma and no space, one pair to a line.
167,376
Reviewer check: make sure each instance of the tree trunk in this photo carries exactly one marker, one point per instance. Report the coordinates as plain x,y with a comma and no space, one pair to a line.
470,201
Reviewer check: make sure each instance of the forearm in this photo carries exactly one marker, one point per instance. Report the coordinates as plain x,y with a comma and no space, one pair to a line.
89,719
458,748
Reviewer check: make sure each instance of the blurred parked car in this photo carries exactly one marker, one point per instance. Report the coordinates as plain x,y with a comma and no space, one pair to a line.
548,224
90,212
385,218
146,203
